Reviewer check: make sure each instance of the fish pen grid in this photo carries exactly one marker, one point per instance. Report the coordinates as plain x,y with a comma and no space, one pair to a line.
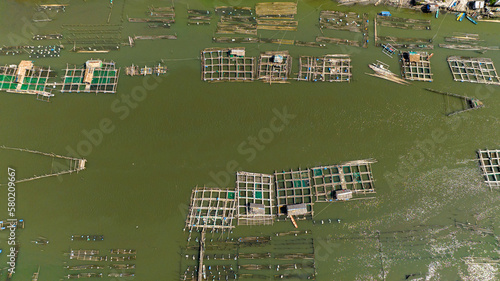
474,70
330,68
354,175
489,161
218,64
33,79
416,66
211,208
255,197
102,79
275,66
293,187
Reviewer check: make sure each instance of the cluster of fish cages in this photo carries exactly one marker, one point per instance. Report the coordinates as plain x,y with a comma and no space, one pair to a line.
469,38
330,68
54,36
199,17
276,16
416,66
339,21
52,51
92,255
404,23
236,20
14,50
93,38
292,255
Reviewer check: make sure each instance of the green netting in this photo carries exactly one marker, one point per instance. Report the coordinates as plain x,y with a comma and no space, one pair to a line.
258,194
318,172
297,183
230,195
6,78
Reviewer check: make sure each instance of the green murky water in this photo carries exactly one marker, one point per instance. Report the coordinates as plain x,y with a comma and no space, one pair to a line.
184,133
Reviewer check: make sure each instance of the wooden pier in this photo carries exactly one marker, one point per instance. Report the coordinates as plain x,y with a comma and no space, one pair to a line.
489,162
75,164
329,68
226,64
256,199
355,176
292,188
274,67
473,70
211,208
96,77
416,66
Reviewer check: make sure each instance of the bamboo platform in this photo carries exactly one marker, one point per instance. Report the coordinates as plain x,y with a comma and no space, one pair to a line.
468,47
463,38
337,41
91,79
403,23
75,164
473,70
276,9
294,187
211,208
256,199
489,162
468,103
329,68
274,67
226,64
343,21
416,66
355,176
236,28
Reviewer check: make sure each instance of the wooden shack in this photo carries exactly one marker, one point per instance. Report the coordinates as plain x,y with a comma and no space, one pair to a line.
296,209
343,194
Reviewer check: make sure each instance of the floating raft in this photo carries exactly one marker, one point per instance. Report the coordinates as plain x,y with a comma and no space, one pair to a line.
274,67
416,66
473,70
255,199
329,68
226,64
95,77
489,162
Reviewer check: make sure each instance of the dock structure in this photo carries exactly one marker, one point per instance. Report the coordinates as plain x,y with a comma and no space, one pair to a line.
354,176
226,64
473,70
274,67
211,209
24,78
416,66
294,187
330,68
74,164
489,162
256,198
95,77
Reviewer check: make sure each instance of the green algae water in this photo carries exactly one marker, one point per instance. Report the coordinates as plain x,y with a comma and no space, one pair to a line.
161,137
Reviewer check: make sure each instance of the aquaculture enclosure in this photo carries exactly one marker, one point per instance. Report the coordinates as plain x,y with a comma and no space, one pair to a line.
95,77
275,66
256,199
226,64
293,187
416,66
489,161
474,70
355,176
211,208
23,78
330,68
